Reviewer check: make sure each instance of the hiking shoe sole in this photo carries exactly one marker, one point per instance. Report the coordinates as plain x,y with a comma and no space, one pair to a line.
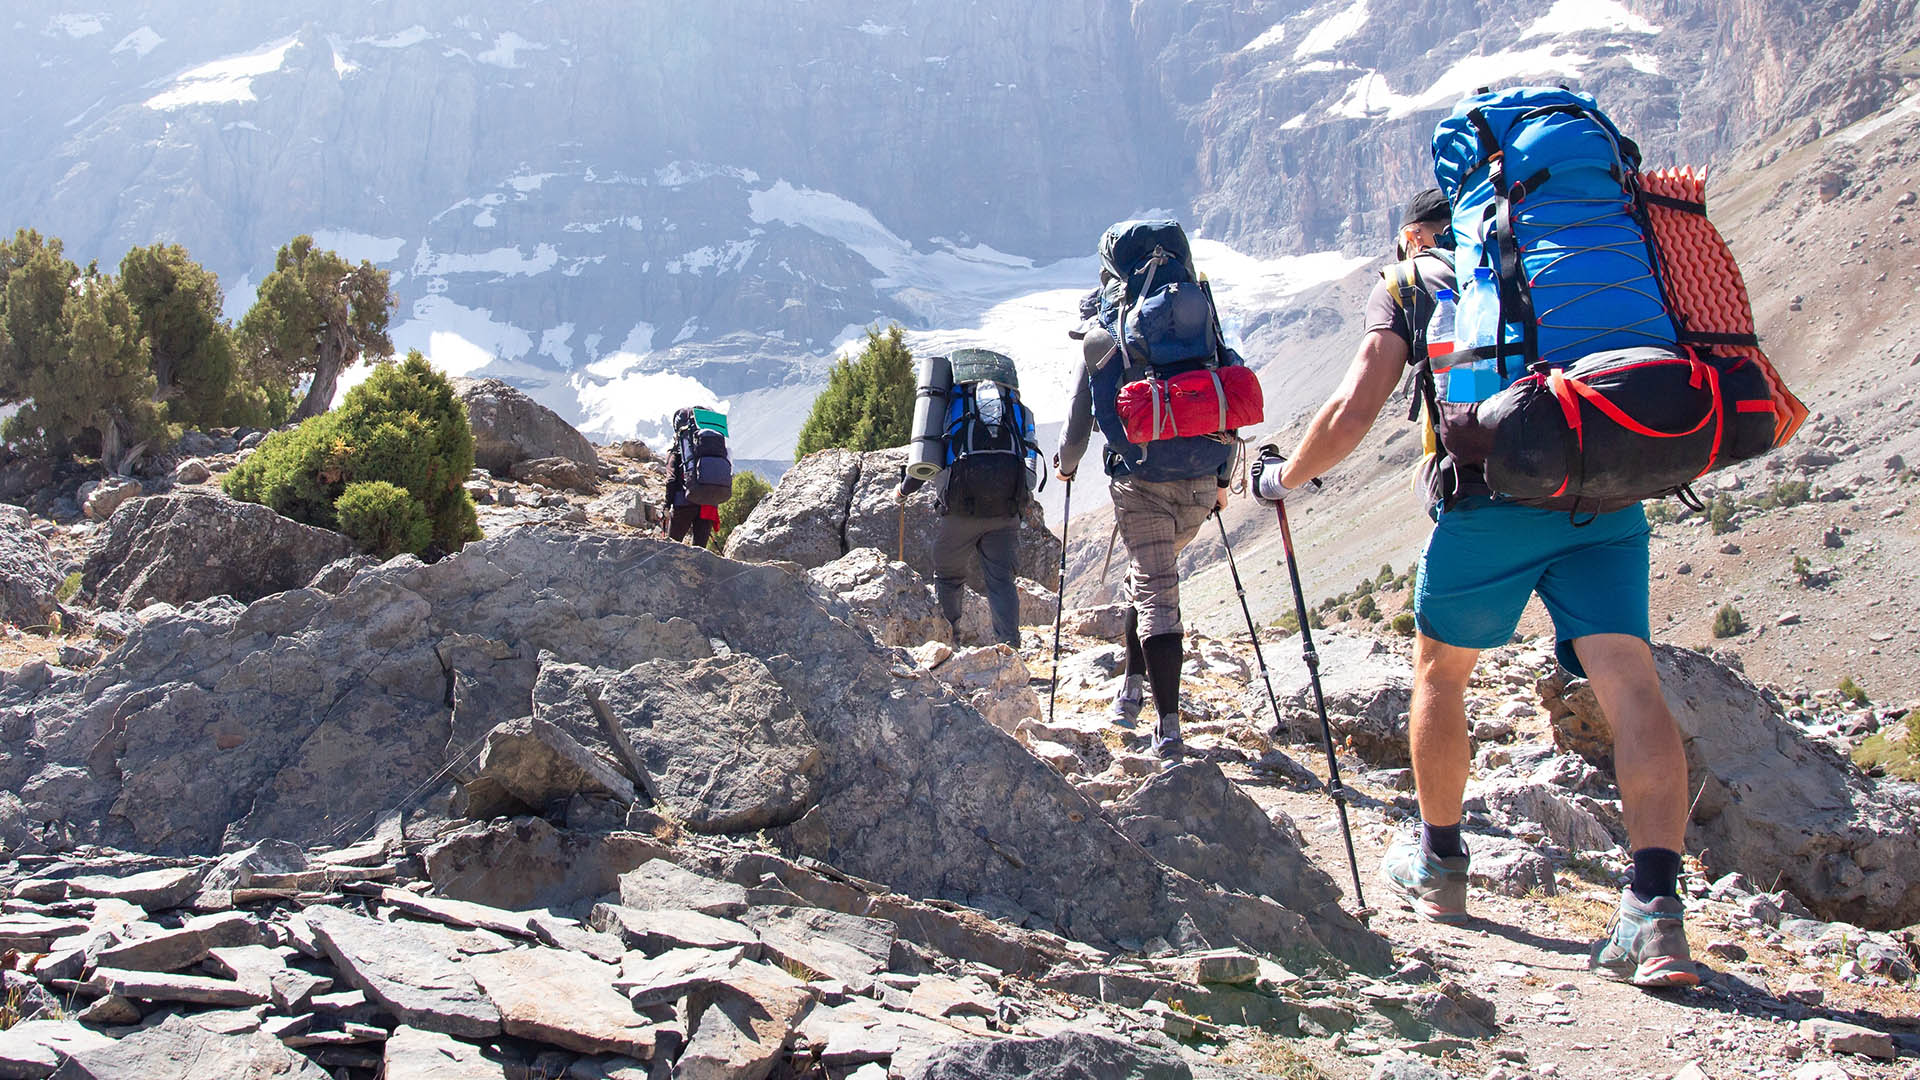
1646,946
1434,890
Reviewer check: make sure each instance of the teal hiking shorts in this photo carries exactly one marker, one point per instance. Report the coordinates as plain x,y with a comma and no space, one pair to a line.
1486,557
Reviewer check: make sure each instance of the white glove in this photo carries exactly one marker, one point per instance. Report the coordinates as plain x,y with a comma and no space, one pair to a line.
1265,475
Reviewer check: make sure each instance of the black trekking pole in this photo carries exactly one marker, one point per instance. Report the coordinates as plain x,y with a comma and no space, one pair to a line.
1334,787
1059,599
1253,634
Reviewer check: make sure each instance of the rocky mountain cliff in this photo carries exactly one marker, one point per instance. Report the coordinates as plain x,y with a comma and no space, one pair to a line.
598,200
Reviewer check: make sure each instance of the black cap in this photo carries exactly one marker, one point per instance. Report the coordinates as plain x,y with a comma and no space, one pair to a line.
1427,206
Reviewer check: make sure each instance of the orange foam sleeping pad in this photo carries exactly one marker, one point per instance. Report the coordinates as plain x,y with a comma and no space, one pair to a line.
1704,284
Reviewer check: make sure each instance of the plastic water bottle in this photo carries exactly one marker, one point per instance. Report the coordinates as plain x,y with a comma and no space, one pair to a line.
1477,326
1440,328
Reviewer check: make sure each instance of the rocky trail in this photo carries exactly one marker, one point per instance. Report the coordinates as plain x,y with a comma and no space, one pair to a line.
579,803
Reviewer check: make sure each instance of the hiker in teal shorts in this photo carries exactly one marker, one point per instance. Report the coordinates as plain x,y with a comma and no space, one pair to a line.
1485,557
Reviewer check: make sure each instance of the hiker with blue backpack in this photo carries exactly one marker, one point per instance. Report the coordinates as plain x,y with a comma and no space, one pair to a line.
1562,382
974,439
1158,380
699,475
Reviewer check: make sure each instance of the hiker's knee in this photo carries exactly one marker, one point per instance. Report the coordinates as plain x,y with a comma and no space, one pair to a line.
1440,668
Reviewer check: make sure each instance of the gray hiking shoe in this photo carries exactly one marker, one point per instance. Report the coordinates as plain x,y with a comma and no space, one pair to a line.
1436,887
1647,944
1127,702
1166,738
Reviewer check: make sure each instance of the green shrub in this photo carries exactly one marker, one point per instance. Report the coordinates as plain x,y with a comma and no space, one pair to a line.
383,519
1786,493
748,490
1659,513
1720,514
1892,751
1403,624
868,402
403,427
1413,587
1366,608
69,588
1727,622
1851,691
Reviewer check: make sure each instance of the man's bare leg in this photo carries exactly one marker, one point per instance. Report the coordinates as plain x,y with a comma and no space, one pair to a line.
1430,870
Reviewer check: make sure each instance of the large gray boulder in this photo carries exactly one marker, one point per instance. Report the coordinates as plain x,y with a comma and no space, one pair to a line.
835,501
885,596
29,580
296,715
1771,803
1194,819
1070,1055
190,545
509,427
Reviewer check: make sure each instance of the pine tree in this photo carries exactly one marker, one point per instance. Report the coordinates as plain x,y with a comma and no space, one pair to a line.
195,371
868,402
316,315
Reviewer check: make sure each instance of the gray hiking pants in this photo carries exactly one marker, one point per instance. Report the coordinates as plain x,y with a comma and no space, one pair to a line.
1158,519
996,539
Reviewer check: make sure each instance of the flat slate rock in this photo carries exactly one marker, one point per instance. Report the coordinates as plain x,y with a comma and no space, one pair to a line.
155,890
674,974
175,950
33,1049
658,884
406,970
743,1032
461,913
851,948
192,989
654,932
538,763
564,999
182,1050
1070,1055
414,1054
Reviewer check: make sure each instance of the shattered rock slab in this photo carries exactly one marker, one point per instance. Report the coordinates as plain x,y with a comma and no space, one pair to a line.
1070,1055
564,999
399,967
179,1049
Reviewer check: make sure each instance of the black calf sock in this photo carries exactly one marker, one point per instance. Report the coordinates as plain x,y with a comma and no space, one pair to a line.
1656,873
1136,659
1442,840
1164,652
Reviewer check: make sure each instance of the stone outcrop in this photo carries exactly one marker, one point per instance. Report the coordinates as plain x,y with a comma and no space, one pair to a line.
188,546
296,716
888,598
29,581
509,427
1771,803
836,501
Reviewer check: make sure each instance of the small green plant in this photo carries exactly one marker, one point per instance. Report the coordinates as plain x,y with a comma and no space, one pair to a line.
382,518
1728,622
1413,588
404,428
1386,575
1852,692
1403,624
1660,513
1802,570
69,588
1720,511
748,490
1366,608
1892,751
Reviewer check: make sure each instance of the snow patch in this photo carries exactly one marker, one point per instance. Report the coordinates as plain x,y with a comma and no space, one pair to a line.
357,247
874,29
76,25
484,219
527,182
1854,133
1370,96
1583,16
553,344
405,39
224,81
506,50
505,262
681,173
1269,39
1644,63
1332,30
637,404
457,339
342,66
720,258
140,42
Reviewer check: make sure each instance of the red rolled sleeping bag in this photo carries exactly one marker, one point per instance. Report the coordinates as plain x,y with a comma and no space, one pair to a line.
1195,403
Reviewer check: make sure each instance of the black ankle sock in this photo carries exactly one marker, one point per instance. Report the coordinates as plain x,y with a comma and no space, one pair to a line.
1442,840
1163,653
1656,873
1136,659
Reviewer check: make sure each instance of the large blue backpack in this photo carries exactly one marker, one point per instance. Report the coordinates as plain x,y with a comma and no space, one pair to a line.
992,460
1164,323
1544,194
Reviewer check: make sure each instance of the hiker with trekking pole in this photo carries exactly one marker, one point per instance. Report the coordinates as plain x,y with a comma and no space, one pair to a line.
1157,378
1563,379
971,432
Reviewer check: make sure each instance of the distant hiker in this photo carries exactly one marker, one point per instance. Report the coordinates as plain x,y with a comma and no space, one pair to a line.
1167,409
699,475
974,435
1486,555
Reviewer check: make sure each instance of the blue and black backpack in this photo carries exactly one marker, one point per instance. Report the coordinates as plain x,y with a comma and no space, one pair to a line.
1161,314
992,459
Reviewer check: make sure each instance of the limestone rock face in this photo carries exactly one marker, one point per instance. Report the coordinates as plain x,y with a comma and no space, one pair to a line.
28,578
1773,803
888,597
188,546
835,501
509,427
294,715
